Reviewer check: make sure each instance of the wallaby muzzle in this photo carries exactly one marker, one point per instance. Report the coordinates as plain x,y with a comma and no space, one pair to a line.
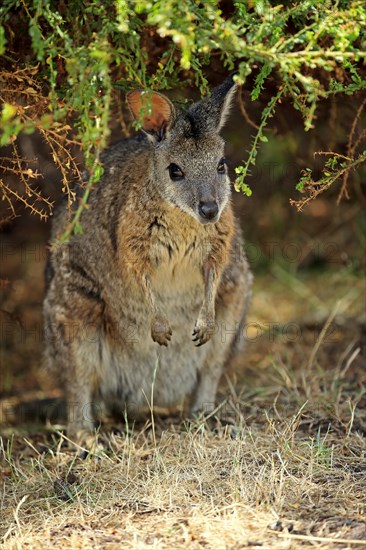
208,211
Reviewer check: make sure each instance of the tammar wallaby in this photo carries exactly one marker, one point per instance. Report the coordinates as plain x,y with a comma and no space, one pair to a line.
151,298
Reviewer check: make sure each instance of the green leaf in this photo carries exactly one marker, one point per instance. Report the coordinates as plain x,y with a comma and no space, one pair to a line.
2,40
246,190
8,112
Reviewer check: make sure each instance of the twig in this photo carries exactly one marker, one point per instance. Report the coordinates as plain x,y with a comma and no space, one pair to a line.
351,148
311,538
323,186
244,112
321,336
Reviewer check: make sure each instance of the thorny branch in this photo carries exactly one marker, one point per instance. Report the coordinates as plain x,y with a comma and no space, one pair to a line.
337,166
19,181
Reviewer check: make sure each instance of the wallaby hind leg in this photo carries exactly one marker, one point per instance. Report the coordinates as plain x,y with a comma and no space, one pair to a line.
80,421
205,393
83,412
228,339
83,376
72,350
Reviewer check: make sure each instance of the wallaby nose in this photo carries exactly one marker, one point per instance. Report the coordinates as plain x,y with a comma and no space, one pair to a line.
208,210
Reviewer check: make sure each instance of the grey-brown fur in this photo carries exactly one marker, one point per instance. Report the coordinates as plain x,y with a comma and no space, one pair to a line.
147,265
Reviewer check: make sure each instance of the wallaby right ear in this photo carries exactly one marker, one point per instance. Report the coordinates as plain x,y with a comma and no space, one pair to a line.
157,111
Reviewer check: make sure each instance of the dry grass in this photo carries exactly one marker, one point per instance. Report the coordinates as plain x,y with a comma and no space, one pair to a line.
281,465
270,485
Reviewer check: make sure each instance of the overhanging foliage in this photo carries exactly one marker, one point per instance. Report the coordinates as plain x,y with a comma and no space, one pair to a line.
65,63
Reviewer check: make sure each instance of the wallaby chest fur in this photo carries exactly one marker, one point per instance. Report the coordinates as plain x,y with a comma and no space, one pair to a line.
160,248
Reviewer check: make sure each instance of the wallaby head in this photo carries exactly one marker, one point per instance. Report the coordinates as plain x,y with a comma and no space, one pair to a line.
189,167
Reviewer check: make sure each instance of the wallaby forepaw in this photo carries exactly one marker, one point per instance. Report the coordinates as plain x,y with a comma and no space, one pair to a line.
161,331
203,331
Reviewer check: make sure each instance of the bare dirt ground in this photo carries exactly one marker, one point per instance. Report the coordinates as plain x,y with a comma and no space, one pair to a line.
281,464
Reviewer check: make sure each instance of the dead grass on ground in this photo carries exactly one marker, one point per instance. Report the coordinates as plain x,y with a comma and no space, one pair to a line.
281,464
271,485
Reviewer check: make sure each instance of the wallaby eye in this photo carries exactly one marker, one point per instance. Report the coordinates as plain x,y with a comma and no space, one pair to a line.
221,166
175,173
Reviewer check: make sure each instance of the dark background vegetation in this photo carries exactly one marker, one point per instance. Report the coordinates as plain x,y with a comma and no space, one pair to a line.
65,69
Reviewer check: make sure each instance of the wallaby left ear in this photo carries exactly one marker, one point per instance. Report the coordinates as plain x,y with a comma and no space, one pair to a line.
210,114
158,112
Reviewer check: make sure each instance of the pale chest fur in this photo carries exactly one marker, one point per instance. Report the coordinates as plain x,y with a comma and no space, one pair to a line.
177,257
177,270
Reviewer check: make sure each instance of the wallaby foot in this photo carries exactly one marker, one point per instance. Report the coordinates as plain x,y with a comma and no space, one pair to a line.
160,330
84,440
81,435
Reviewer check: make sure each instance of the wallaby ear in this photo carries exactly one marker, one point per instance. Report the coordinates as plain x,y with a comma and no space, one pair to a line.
210,114
158,112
